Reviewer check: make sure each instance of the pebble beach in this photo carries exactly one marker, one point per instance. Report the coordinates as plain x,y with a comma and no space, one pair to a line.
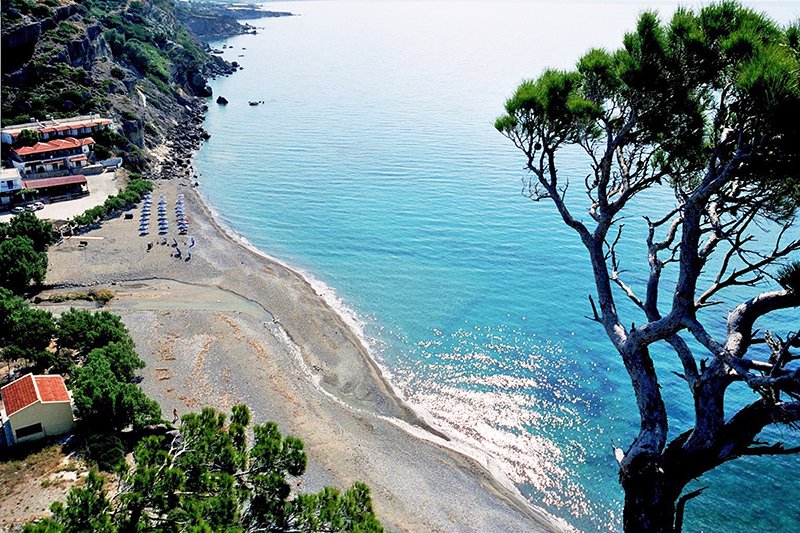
231,326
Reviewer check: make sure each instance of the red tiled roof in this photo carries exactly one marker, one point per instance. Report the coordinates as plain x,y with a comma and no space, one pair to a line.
46,183
19,394
55,144
52,388
78,158
30,389
59,127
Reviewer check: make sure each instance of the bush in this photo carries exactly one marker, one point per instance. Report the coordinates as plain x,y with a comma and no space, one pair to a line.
84,331
146,58
27,138
118,73
136,188
25,333
21,264
64,32
26,224
108,451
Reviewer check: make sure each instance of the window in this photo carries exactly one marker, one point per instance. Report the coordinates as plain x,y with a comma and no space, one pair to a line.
10,184
33,429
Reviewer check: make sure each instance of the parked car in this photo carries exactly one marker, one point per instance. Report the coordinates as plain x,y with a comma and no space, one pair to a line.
38,205
30,207
17,209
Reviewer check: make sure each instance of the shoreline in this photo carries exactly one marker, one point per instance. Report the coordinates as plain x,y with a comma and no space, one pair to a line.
322,372
423,425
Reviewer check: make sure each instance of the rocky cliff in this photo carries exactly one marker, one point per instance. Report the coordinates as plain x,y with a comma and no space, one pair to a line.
132,60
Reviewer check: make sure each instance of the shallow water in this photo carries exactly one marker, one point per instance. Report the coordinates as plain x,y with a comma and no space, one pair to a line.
374,166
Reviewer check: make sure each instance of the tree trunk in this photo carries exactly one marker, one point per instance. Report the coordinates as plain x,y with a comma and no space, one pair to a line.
649,499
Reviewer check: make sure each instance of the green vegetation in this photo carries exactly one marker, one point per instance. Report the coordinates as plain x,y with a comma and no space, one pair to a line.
102,296
211,479
26,224
97,352
83,331
65,32
701,110
14,10
21,264
164,54
105,400
25,333
23,251
134,192
27,138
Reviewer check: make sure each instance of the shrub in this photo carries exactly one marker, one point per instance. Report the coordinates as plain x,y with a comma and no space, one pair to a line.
21,264
108,451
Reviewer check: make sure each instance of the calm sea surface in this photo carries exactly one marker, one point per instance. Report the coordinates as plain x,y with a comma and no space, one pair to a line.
373,166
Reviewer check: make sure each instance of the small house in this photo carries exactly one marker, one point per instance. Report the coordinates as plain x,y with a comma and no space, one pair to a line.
36,407
10,183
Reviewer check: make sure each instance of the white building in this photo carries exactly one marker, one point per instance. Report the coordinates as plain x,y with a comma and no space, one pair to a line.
58,128
53,158
10,183
37,407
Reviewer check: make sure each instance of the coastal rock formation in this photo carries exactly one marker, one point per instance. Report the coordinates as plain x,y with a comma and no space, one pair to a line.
215,21
221,100
111,58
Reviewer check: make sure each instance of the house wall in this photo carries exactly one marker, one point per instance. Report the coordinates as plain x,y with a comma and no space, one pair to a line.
16,184
56,419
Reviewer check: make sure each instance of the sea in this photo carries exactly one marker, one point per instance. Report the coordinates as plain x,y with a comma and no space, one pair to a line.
372,166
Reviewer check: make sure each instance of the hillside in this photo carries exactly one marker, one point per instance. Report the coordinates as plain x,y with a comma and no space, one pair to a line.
131,60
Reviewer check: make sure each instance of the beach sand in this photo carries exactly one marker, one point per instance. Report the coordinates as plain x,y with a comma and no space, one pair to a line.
231,326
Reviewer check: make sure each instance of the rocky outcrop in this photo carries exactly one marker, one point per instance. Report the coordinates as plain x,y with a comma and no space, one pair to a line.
214,21
207,25
221,100
91,46
22,38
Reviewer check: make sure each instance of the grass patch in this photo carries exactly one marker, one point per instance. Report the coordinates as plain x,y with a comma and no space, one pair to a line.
25,462
102,296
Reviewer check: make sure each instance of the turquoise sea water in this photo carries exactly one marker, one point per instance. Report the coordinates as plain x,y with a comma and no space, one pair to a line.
374,167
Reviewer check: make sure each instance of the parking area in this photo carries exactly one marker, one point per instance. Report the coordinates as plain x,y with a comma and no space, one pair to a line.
101,186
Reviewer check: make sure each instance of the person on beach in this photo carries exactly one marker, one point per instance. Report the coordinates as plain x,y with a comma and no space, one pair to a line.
174,415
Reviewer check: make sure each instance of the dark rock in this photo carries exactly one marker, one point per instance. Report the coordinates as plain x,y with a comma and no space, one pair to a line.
221,100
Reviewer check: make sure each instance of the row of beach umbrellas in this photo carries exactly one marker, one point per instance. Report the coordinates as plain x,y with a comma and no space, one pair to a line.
144,221
180,215
163,225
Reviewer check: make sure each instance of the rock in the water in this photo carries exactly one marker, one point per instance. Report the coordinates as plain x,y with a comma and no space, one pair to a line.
221,100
